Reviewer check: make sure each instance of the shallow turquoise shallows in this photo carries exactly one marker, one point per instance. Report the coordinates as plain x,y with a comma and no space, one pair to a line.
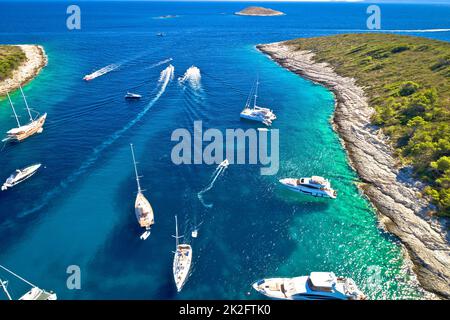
78,209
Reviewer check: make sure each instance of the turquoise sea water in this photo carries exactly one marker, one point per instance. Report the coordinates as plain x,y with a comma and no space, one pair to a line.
78,210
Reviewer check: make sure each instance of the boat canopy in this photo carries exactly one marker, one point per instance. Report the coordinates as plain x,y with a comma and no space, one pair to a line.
318,180
19,129
322,281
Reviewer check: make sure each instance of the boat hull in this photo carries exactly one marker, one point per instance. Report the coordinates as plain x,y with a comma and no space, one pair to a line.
29,172
144,212
308,191
181,265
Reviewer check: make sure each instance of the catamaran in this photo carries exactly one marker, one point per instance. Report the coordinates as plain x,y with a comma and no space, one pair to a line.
142,208
34,293
315,186
24,131
256,113
20,175
316,286
181,260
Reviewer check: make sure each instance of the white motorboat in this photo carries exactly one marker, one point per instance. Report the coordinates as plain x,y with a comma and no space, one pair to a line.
256,113
181,261
20,175
315,186
316,286
142,207
132,96
34,293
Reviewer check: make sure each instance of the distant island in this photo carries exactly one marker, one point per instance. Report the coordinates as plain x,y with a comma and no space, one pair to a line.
19,64
259,11
392,110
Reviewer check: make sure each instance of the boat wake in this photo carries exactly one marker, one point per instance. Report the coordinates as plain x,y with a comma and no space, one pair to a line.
215,175
157,64
164,80
192,76
102,71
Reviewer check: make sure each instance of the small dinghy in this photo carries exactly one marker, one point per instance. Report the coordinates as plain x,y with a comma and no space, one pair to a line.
20,175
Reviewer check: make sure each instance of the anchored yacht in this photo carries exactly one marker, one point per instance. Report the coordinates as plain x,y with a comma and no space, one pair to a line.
181,261
142,208
315,186
316,286
34,293
20,175
256,113
22,132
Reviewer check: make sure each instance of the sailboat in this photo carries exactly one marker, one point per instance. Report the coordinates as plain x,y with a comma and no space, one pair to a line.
256,113
142,208
181,260
24,131
35,293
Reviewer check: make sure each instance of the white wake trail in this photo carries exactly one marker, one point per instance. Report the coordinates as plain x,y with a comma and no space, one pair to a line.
215,175
159,63
193,77
165,77
102,71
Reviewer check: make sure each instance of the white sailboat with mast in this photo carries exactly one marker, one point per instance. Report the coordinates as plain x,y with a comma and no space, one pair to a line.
256,113
35,293
142,208
22,132
181,261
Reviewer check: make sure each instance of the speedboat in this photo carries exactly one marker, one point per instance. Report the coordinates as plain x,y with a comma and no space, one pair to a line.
181,261
132,96
315,186
20,175
316,286
256,113
160,34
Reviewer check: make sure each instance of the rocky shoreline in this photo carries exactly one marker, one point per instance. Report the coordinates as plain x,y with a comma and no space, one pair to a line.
394,194
35,61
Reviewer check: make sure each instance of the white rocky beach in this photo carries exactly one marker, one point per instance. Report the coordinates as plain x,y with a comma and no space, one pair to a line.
36,59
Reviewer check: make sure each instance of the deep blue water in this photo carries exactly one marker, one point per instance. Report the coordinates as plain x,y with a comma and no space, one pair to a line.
78,210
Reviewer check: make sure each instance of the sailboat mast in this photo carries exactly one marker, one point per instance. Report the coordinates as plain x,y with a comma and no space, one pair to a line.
17,276
12,106
3,285
26,103
135,169
256,91
176,231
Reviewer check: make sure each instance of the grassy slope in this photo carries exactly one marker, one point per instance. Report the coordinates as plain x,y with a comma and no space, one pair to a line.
10,59
407,81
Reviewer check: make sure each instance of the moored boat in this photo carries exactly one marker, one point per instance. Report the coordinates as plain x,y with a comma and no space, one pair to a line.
182,260
142,207
256,113
22,132
316,286
315,186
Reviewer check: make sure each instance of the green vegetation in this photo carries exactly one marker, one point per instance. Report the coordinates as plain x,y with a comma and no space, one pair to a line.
407,80
10,59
